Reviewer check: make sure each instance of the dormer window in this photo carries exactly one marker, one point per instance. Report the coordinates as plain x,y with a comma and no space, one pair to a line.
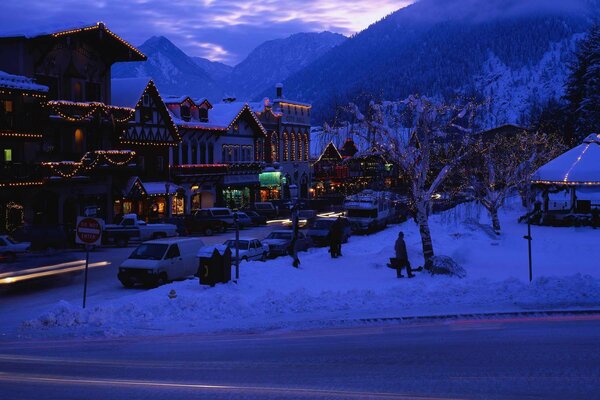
186,114
203,114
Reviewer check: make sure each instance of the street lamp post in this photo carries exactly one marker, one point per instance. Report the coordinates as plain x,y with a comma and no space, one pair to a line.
168,199
236,220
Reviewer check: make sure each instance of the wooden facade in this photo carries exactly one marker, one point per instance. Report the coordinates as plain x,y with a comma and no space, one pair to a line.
71,165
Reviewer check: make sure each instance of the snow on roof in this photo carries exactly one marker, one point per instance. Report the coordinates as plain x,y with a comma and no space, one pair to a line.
580,165
221,116
20,82
126,92
156,188
171,99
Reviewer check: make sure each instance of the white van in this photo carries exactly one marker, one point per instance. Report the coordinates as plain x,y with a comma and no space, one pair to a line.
157,262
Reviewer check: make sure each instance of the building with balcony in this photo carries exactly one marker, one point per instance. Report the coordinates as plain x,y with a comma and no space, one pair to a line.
221,153
57,90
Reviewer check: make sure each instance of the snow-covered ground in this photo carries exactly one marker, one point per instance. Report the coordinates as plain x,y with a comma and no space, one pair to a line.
327,291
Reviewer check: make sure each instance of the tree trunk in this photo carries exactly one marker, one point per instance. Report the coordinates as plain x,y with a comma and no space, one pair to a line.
495,220
423,221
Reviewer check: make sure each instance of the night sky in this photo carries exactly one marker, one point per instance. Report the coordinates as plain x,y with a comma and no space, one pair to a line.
220,30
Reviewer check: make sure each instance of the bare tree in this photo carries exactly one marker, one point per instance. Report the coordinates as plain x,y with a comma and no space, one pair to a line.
427,140
501,164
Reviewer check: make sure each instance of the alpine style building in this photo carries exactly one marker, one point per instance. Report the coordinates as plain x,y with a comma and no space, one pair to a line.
287,147
60,133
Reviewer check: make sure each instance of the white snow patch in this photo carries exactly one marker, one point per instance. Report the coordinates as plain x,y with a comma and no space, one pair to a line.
359,285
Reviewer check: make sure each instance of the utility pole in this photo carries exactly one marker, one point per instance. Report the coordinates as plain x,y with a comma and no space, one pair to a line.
236,220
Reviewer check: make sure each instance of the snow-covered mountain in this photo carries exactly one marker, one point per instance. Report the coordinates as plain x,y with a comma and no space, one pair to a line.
275,60
171,69
514,52
217,71
174,72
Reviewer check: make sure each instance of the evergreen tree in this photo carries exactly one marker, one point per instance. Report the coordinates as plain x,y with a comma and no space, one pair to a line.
583,88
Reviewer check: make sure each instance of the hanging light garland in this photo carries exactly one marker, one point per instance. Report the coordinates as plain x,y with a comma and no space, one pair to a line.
21,135
69,169
86,110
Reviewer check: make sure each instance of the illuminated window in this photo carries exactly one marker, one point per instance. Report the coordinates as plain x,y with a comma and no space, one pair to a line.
285,146
8,155
292,147
77,91
79,141
274,153
8,106
306,147
300,152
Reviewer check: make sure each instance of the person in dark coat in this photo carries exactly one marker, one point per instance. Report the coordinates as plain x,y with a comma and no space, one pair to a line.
402,257
336,234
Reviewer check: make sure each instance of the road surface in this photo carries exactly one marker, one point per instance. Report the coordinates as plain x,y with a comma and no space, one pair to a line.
521,358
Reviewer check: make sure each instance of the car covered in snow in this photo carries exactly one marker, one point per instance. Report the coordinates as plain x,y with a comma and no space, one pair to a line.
249,249
280,241
9,248
156,262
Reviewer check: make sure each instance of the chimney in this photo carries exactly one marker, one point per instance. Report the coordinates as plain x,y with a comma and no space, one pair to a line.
279,88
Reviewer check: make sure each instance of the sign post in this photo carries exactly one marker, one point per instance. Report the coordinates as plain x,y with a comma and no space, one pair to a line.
88,233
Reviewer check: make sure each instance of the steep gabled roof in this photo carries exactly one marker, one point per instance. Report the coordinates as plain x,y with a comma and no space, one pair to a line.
330,153
59,31
222,116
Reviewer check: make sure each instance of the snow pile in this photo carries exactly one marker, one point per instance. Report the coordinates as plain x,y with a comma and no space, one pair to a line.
358,285
444,265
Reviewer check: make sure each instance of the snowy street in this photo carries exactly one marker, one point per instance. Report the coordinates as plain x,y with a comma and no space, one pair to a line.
548,357
327,292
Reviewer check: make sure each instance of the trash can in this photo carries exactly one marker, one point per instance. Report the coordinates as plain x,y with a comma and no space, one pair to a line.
214,268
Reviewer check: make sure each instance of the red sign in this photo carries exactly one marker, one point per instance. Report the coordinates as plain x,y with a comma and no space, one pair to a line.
89,231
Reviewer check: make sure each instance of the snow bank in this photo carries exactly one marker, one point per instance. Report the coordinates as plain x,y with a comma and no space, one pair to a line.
359,285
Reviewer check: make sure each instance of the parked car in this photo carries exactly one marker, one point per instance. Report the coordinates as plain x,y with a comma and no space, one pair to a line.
10,248
204,223
216,213
249,249
131,227
256,218
244,220
180,223
42,237
305,217
319,230
279,242
156,262
266,208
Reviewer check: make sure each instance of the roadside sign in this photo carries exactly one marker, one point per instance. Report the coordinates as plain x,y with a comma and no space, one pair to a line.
88,231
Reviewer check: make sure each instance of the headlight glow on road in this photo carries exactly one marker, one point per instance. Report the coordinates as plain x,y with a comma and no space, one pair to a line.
47,271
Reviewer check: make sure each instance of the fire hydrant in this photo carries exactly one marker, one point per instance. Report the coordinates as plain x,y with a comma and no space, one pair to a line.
172,294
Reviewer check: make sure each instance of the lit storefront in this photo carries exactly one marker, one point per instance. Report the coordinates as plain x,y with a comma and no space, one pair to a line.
150,200
270,185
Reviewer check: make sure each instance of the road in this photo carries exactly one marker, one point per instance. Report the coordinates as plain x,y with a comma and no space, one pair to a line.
542,358
31,301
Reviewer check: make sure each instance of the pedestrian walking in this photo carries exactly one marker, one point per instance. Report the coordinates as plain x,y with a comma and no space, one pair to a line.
336,234
294,249
402,257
